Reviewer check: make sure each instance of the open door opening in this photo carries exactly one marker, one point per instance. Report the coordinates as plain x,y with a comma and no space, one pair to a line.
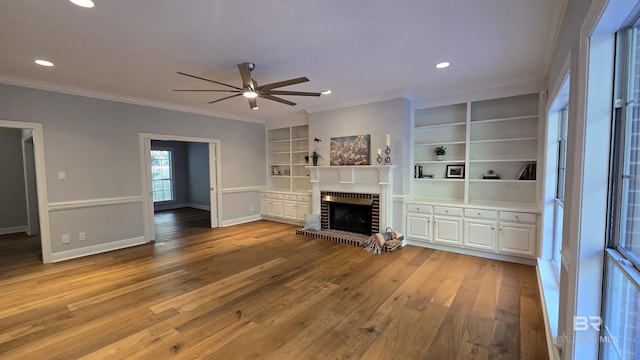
179,172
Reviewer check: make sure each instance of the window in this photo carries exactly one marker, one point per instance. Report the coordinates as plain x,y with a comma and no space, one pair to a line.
560,188
162,175
621,312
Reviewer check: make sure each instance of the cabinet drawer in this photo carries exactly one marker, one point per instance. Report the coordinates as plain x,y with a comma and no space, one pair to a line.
304,198
265,195
290,197
517,217
416,208
481,214
277,196
449,211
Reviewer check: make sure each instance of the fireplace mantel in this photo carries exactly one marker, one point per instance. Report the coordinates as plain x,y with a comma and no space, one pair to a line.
364,179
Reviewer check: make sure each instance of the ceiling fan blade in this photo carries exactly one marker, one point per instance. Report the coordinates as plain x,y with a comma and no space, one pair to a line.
297,93
283,83
209,80
224,98
247,82
280,100
253,103
231,91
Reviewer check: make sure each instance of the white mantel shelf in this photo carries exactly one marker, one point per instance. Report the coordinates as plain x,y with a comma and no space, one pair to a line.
365,179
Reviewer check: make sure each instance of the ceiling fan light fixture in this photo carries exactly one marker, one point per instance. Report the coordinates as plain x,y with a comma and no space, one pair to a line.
250,94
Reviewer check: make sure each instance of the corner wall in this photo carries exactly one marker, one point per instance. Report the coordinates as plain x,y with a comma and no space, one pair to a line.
95,143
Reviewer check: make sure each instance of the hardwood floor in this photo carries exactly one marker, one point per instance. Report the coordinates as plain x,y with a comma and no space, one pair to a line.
259,291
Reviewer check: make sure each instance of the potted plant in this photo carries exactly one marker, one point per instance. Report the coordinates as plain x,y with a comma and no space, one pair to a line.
440,151
314,157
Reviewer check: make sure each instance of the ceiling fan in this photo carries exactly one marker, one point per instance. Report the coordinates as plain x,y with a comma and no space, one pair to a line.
252,91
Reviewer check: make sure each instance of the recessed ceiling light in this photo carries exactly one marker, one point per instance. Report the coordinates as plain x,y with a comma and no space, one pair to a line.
326,92
443,65
254,108
83,3
44,62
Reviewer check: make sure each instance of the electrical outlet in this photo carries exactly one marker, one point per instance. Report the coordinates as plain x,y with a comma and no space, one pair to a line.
66,238
62,175
251,208
82,236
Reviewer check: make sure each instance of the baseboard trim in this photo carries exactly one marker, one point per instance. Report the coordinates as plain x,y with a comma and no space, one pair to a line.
486,255
200,207
549,296
13,229
242,220
97,249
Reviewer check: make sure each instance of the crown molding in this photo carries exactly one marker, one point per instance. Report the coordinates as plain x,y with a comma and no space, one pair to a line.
69,90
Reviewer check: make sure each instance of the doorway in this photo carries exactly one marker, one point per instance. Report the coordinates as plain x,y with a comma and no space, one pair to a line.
37,216
213,149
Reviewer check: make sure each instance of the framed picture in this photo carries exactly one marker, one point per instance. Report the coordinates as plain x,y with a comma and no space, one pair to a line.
350,150
455,171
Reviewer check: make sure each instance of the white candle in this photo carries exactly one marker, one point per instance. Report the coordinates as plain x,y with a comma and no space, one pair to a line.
388,140
379,151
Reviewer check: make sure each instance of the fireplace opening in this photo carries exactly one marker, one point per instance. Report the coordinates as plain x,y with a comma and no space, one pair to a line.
350,214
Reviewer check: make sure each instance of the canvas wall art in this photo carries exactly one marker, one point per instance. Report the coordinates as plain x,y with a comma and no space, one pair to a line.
350,150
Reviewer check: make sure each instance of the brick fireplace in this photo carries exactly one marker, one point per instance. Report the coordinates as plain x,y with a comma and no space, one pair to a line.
358,182
360,212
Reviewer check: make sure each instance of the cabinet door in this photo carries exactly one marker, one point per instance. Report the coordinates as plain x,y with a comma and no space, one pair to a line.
517,239
303,208
265,207
419,227
447,230
277,208
480,234
290,210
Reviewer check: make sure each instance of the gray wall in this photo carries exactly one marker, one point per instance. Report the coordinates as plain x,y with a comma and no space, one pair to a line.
95,142
198,168
13,203
377,119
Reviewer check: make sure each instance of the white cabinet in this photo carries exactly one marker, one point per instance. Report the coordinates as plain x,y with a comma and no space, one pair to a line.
447,228
419,222
290,206
480,234
508,235
480,228
265,204
284,206
517,234
303,206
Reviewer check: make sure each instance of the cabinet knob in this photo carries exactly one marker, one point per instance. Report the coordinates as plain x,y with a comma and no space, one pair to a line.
479,214
517,217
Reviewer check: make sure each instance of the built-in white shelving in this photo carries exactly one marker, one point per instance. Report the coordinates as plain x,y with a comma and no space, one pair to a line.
286,151
496,134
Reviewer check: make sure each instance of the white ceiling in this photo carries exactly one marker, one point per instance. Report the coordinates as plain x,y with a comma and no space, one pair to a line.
362,50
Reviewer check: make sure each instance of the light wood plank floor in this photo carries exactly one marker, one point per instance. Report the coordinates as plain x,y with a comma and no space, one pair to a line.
259,291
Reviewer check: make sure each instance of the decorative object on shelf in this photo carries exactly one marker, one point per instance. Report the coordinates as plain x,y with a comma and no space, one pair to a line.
314,157
440,151
528,172
275,170
379,157
455,172
417,171
350,150
387,149
491,175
